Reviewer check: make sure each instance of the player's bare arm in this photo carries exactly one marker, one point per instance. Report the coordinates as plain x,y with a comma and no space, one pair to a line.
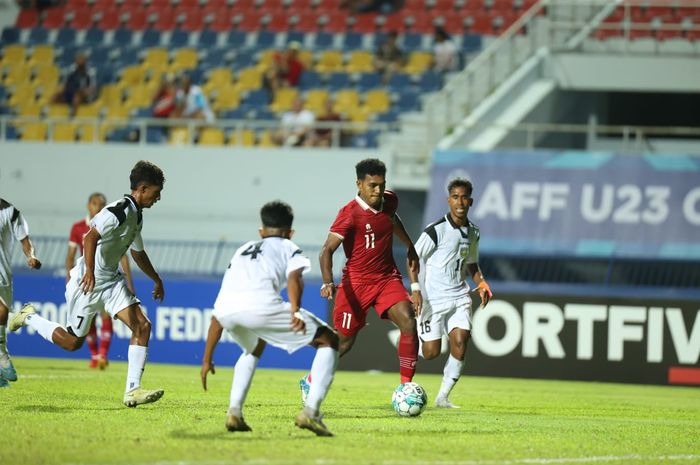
28,249
70,258
482,286
295,287
144,263
87,284
326,261
126,269
412,263
213,337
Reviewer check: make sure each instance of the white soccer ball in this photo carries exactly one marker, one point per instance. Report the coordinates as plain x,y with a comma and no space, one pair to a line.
409,399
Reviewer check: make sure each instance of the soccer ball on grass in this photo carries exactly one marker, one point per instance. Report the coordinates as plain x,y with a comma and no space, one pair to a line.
409,399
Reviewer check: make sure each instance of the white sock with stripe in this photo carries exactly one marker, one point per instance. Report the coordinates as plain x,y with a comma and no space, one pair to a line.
137,363
44,327
242,379
322,372
451,374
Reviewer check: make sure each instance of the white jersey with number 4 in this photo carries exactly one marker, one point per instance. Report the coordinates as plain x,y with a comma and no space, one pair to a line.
119,225
445,248
12,227
257,274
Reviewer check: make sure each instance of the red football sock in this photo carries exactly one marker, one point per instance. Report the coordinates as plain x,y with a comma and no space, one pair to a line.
408,354
105,336
91,339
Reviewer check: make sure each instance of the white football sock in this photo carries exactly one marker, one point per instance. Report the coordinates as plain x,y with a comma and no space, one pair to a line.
43,326
322,372
3,340
242,378
137,363
451,374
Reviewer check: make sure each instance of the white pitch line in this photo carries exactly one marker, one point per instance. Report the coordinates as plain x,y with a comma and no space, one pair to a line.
525,461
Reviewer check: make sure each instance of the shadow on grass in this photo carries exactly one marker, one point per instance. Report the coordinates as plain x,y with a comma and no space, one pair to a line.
56,409
222,434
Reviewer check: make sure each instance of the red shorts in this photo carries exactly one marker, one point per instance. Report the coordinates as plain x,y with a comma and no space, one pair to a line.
352,301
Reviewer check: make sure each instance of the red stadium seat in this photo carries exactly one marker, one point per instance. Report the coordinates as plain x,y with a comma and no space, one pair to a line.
138,19
27,18
250,21
110,20
337,22
189,19
307,22
242,6
481,24
100,5
443,5
187,4
453,24
277,21
414,5
221,20
166,21
273,5
300,5
82,19
54,18
365,23
75,4
421,24
394,22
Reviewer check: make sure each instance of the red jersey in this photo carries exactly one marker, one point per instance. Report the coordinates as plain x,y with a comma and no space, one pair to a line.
367,236
78,232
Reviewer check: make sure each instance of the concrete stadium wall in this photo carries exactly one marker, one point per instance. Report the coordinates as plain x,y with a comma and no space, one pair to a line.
210,193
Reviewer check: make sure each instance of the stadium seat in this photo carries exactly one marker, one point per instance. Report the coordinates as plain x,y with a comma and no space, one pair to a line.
346,100
179,38
265,39
27,18
245,138
284,99
236,39
256,98
266,139
309,80
211,136
66,37
13,54
33,132
360,61
42,54
64,132
338,81
10,35
430,81
352,41
418,62
377,101
207,38
225,98
122,37
82,18
367,81
329,61
22,94
19,73
38,35
316,100
323,40
54,18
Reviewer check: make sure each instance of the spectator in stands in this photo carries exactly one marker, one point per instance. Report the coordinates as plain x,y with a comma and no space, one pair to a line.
297,126
324,136
190,102
289,65
40,4
367,6
79,86
164,100
389,58
446,57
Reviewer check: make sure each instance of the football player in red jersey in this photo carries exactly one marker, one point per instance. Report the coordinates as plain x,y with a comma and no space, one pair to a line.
98,357
365,227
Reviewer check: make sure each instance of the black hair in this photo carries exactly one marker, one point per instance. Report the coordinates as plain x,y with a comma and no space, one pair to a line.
460,182
97,194
277,214
145,172
371,167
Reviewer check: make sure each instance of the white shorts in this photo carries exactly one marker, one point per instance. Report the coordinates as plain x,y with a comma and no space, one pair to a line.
436,320
6,296
113,298
271,324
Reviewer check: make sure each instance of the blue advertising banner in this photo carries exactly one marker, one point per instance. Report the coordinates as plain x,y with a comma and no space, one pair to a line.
180,323
577,203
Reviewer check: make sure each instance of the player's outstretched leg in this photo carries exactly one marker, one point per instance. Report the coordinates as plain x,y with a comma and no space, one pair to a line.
322,372
140,327
105,341
91,341
453,367
7,369
242,378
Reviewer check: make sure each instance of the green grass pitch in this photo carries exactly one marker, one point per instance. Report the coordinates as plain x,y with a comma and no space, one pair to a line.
59,412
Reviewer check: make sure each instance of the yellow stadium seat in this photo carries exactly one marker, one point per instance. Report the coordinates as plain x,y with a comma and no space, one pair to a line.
284,99
86,133
30,108
267,58
418,62
58,110
46,74
138,96
64,132
346,100
360,62
156,56
90,110
266,139
46,92
154,72
179,136
187,57
13,54
220,76
226,98
249,79
211,136
245,138
316,100
307,58
18,73
111,94
42,54
132,75
22,94
330,61
34,132
178,68
377,101
117,111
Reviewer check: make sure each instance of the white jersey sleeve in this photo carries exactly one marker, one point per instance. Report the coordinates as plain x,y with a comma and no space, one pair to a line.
297,260
105,222
20,229
425,246
137,245
474,235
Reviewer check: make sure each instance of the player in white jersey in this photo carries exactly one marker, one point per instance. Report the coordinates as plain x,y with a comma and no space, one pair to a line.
450,249
250,308
96,283
12,227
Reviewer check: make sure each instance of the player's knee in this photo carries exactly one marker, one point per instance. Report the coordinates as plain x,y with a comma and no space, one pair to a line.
407,325
143,328
74,344
430,352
